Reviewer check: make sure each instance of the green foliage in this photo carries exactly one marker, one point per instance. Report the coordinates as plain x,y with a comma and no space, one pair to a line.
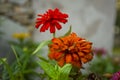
104,65
23,67
41,45
56,72
49,69
8,68
68,32
64,72
2,60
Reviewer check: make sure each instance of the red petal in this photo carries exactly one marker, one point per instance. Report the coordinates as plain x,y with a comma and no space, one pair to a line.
62,20
58,26
52,29
47,26
42,29
38,19
38,24
40,15
65,15
56,11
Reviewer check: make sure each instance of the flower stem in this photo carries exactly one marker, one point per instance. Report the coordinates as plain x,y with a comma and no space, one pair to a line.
53,35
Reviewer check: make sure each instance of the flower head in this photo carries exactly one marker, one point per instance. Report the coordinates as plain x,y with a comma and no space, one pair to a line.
99,51
70,49
21,35
116,76
51,19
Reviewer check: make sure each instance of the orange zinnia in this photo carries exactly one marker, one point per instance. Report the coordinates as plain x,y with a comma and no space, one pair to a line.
70,49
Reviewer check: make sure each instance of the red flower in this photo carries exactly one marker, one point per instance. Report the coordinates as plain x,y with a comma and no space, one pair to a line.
51,19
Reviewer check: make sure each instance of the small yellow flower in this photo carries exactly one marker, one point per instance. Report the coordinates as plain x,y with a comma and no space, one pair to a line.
21,35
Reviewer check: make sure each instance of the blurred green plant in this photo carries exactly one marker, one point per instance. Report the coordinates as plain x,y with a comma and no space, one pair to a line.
24,64
56,73
52,71
104,65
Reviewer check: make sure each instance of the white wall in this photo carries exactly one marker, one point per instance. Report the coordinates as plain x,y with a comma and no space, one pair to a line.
92,19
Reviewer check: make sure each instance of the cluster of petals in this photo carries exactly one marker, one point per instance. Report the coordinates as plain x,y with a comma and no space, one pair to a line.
52,20
70,49
116,76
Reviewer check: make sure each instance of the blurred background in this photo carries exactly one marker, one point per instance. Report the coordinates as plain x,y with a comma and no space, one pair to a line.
96,20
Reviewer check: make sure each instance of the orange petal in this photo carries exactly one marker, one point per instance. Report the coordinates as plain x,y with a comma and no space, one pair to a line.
77,64
51,55
84,60
56,40
81,54
84,44
75,57
89,56
71,47
55,46
61,61
68,58
86,47
58,55
86,51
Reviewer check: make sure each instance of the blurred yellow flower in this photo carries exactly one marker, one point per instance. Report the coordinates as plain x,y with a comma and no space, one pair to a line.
21,35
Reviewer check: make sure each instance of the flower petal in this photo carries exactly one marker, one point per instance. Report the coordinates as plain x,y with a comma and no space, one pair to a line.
52,29
61,61
68,58
58,26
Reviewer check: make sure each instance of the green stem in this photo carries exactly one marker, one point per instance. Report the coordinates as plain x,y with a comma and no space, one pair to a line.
21,42
18,61
8,69
54,35
16,56
42,58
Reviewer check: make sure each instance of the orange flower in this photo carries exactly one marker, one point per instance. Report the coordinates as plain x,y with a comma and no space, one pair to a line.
70,49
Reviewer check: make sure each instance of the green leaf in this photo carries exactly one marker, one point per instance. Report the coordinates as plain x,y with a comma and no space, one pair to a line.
68,32
64,72
41,45
3,59
42,58
18,50
49,69
16,55
8,68
109,67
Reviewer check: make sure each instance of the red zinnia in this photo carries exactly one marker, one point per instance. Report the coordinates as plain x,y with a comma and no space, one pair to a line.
52,19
